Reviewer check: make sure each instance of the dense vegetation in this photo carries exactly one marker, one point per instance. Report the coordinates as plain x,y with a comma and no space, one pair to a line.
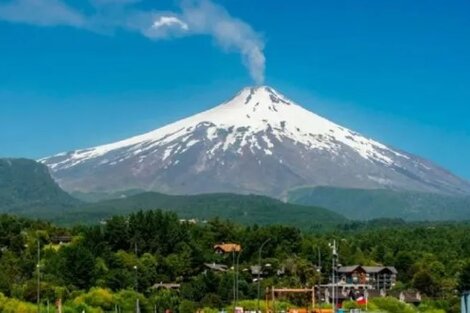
112,264
243,209
96,196
362,204
27,188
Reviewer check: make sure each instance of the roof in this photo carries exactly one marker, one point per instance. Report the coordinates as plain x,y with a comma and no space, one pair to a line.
378,269
347,269
228,247
63,238
166,286
367,269
216,267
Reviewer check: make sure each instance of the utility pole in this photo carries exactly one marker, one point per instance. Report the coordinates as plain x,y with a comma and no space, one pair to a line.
319,258
234,279
259,271
136,286
236,271
39,276
319,276
366,295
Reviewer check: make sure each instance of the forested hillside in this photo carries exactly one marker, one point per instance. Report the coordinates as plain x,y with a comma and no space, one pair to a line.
244,209
26,188
365,204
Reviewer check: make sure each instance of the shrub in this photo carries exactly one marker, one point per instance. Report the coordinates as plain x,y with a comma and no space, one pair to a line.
97,297
392,305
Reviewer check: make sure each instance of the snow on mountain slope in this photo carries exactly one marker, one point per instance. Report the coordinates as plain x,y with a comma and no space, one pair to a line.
258,142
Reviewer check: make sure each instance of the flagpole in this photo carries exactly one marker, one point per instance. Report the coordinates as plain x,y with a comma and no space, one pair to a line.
333,280
38,296
367,299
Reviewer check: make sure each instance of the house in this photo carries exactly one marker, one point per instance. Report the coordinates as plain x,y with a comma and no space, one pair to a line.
376,277
224,248
261,270
62,239
410,296
324,293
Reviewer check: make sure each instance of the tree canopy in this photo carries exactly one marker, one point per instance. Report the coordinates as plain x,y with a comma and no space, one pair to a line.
127,257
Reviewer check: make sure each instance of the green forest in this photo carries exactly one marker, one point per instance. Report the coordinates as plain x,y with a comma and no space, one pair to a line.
108,266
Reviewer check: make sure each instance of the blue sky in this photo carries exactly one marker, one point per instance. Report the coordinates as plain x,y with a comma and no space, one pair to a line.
396,71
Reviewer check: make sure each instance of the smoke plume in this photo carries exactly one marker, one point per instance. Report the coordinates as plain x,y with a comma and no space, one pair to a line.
194,17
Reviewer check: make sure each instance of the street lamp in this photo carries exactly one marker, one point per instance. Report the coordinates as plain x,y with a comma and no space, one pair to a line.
235,276
234,280
236,271
259,270
137,305
319,268
135,278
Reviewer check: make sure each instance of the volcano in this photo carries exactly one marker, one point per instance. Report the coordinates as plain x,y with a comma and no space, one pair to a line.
258,142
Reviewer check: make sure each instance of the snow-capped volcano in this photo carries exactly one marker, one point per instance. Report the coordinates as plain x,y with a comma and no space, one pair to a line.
257,142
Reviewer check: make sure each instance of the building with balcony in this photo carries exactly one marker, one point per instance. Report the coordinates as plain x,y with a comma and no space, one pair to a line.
375,277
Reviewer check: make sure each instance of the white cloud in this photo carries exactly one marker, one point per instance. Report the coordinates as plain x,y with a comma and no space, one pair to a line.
196,17
40,12
162,26
169,21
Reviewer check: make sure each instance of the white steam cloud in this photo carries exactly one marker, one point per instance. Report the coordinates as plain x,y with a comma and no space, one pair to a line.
195,17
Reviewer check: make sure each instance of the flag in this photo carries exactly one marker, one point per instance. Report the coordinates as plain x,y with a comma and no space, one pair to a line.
361,300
